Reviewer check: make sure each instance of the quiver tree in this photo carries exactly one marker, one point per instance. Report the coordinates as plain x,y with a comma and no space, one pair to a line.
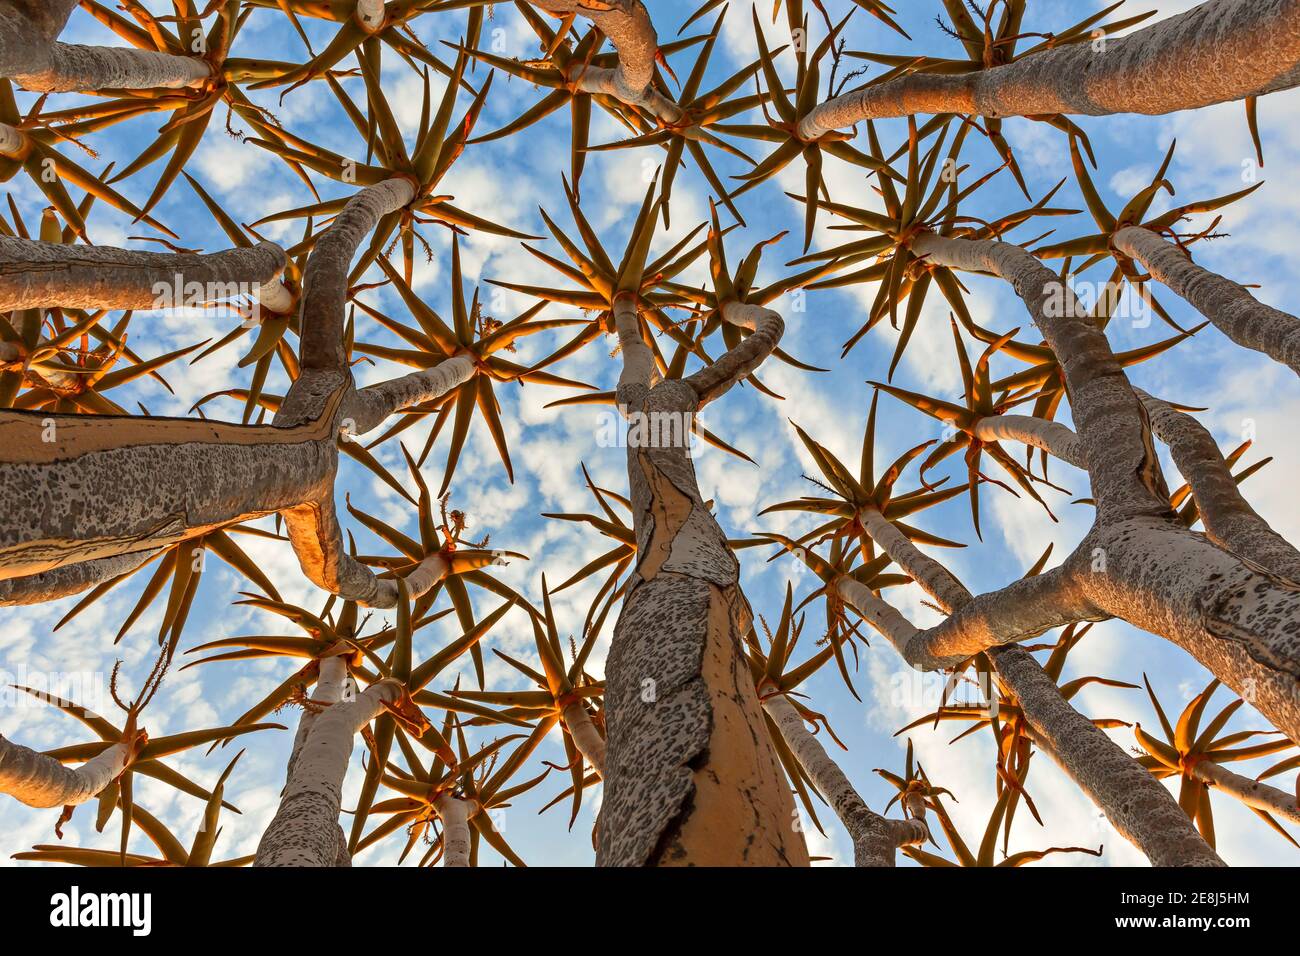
702,737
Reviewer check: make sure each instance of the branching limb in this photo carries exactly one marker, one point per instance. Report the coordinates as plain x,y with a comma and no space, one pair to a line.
454,814
766,328
1052,437
304,831
1219,51
1229,519
367,408
318,542
1252,793
325,280
69,579
628,26
585,735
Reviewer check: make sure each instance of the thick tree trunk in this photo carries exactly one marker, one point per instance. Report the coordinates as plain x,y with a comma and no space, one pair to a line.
876,839
43,275
1219,51
691,775
40,781
31,56
1230,308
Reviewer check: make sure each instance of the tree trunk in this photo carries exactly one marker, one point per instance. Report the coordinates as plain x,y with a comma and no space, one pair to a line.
1219,51
1230,308
876,839
692,777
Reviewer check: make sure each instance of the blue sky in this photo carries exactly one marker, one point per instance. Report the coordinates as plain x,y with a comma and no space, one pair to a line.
507,180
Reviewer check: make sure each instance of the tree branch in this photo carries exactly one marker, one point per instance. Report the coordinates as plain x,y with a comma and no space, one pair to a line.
1219,51
1230,308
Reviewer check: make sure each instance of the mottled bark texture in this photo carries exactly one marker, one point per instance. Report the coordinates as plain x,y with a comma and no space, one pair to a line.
1230,308
63,475
305,828
691,777
31,55
43,275
40,781
1219,51
1138,563
70,579
876,839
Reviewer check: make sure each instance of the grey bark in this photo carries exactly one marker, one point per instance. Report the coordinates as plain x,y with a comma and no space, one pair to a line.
31,56
43,275
1229,520
1219,51
1230,307
1138,563
677,684
876,839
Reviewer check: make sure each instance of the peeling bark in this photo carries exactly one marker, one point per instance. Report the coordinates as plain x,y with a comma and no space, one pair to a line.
39,781
1219,51
1230,308
692,777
